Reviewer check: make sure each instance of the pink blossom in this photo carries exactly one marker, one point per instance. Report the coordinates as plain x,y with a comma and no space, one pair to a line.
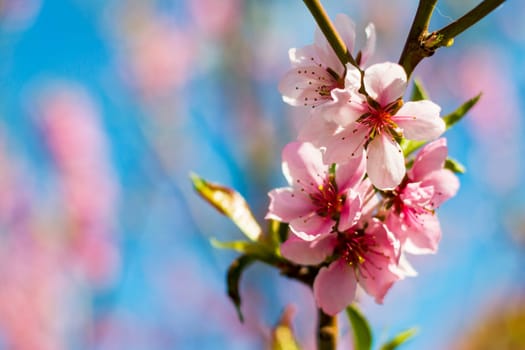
317,199
382,119
412,215
317,72
363,256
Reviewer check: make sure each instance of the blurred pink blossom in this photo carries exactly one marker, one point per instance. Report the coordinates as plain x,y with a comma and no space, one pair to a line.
158,56
494,123
38,308
17,15
216,18
71,126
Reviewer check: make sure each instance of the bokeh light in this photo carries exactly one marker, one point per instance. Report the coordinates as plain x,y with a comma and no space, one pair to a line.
107,106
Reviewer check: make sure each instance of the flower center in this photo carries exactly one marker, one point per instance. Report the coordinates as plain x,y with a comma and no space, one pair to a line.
327,200
354,246
360,251
325,90
379,119
411,201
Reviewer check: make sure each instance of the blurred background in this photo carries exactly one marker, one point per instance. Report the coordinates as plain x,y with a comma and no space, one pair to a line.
105,108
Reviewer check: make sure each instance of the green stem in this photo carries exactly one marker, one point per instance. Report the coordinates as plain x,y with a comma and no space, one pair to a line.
412,52
323,21
468,20
326,331
421,44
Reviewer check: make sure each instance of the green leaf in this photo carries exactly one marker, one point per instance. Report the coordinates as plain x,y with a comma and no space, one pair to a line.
233,278
454,166
459,113
229,203
418,92
399,339
283,337
256,250
409,146
361,328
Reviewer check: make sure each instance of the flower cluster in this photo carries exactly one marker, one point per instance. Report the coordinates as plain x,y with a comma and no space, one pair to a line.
351,205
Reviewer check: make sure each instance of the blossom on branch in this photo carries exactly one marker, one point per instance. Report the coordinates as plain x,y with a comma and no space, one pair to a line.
376,119
365,255
317,72
412,214
319,197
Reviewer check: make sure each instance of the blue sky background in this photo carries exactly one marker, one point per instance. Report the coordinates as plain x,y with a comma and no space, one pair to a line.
226,122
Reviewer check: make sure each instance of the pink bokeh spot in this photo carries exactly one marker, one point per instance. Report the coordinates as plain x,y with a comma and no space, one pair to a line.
72,129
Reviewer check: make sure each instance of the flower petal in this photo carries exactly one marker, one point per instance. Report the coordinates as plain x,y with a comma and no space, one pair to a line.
304,252
378,283
341,109
370,198
385,162
346,144
346,28
385,240
317,130
351,211
334,287
370,45
304,56
424,239
379,270
325,51
287,204
420,120
311,226
405,268
430,158
385,82
349,174
445,183
353,81
303,165
301,86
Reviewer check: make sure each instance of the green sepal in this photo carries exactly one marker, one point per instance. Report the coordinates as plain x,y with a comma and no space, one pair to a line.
283,337
233,278
460,112
229,203
454,166
418,92
399,339
360,327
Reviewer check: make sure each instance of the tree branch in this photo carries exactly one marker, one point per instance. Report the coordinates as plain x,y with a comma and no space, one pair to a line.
326,331
323,21
457,27
421,44
412,52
